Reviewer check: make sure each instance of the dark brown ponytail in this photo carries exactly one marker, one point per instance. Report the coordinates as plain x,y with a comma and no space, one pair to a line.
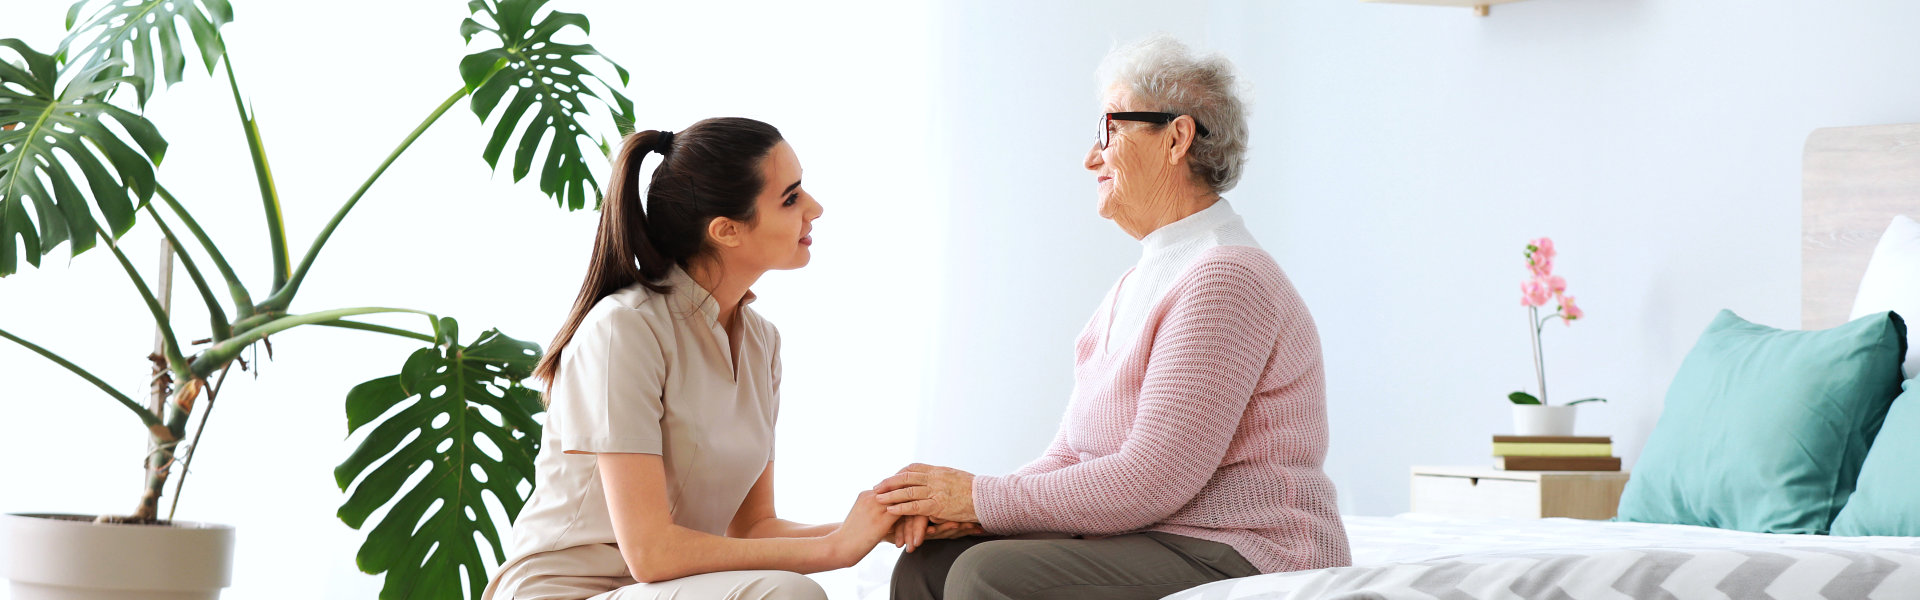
708,170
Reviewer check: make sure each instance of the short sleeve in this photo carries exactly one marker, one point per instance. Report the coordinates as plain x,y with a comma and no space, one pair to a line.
773,416
609,389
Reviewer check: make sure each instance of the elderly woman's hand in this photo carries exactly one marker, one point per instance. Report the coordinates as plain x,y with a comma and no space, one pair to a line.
938,492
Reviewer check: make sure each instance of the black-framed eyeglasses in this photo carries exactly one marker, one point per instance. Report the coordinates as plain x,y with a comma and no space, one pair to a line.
1106,122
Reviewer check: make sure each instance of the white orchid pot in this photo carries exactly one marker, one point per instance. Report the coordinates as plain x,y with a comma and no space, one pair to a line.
1540,419
69,557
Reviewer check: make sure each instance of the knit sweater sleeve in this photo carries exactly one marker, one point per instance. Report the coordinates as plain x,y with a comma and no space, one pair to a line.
1208,354
1056,457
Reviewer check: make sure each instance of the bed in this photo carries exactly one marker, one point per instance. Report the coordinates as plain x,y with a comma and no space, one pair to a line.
1417,556
1421,556
1854,180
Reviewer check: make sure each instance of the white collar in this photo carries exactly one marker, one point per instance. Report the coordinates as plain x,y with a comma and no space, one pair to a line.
687,292
1186,229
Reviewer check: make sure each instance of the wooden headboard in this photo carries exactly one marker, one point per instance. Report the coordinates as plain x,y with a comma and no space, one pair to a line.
1854,180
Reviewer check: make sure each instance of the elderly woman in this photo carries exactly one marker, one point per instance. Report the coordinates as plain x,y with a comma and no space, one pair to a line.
1192,448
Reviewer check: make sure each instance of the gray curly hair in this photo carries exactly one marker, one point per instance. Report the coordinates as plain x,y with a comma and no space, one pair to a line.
1164,75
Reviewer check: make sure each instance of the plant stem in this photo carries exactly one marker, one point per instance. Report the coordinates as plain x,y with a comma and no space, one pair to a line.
345,324
1539,366
216,357
160,462
199,433
164,440
175,361
171,245
256,320
147,418
283,295
242,301
269,196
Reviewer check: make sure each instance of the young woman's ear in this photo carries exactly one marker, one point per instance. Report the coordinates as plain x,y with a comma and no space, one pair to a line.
725,232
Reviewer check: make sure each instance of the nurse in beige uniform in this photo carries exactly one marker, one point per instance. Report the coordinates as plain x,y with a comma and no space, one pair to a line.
655,472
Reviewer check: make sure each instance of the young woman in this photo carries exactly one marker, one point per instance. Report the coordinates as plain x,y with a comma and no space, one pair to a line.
655,472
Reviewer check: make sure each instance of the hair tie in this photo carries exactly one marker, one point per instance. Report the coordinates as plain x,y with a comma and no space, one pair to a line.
663,142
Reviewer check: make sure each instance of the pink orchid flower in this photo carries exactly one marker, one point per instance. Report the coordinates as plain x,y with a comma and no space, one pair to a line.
1569,310
1543,248
1534,292
1541,267
1540,257
1555,283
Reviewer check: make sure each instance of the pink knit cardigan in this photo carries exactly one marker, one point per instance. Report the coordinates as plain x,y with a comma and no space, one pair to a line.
1213,425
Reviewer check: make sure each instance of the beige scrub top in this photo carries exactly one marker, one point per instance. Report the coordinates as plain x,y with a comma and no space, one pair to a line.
652,374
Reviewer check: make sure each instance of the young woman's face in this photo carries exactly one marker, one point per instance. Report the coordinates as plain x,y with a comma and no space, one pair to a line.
780,236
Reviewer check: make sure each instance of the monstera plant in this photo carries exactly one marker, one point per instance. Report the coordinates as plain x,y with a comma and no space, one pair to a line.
79,164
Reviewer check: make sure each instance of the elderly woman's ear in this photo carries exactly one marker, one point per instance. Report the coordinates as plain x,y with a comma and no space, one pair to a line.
1182,139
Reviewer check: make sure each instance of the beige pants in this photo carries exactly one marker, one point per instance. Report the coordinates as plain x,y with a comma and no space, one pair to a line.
599,573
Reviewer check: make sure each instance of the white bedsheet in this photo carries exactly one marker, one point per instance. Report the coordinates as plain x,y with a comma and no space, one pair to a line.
1411,538
1422,557
1418,538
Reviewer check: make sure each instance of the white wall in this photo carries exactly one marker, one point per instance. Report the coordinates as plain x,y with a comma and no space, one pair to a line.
1027,257
1401,156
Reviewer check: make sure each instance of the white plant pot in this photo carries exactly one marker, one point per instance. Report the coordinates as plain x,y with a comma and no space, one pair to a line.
1538,419
69,557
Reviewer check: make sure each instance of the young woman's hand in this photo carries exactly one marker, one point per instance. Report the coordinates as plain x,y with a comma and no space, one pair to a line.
952,530
912,532
867,524
909,532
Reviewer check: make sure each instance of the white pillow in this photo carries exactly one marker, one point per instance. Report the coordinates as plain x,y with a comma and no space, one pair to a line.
1892,283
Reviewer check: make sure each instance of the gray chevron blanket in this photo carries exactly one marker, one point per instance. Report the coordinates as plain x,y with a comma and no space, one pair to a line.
1423,557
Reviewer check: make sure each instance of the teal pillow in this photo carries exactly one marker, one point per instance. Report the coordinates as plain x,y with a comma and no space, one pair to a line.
1887,499
1764,429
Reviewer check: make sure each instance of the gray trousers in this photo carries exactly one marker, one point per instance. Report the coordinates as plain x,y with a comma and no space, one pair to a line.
1139,565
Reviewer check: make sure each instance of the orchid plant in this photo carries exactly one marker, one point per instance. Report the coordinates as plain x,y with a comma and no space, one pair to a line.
1540,288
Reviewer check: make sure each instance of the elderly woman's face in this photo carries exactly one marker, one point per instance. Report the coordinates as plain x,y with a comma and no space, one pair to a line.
1134,168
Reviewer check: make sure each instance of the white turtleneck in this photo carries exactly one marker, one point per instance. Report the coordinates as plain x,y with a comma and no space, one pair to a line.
1165,254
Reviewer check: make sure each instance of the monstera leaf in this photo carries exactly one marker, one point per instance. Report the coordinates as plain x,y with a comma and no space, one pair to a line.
445,393
44,123
537,71
134,31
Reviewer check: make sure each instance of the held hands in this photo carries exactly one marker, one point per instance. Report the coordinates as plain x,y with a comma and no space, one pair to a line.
937,501
867,524
870,522
910,532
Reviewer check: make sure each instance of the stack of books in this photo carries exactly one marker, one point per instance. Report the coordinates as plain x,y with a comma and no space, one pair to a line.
1554,453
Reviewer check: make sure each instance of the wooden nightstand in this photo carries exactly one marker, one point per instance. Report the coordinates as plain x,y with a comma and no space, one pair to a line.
1488,492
